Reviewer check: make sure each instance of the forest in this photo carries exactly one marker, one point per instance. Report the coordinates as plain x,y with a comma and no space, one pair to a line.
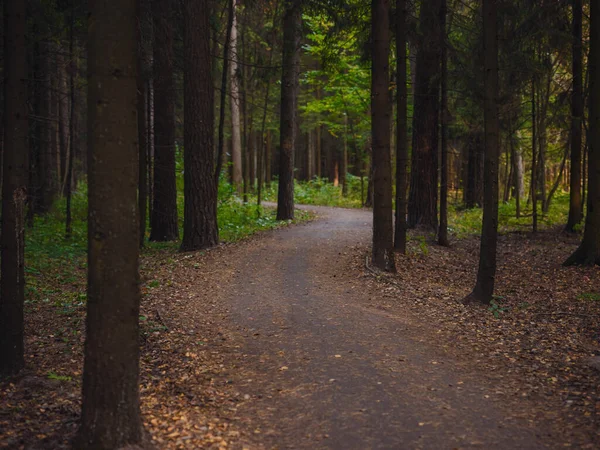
300,224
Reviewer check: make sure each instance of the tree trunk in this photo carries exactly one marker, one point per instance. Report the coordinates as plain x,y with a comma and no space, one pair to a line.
575,197
236,136
401,129
588,253
110,416
517,170
422,201
63,118
268,158
534,142
344,159
474,174
264,155
484,287
292,30
150,127
47,183
142,109
383,232
72,69
224,76
164,211
14,188
200,211
443,229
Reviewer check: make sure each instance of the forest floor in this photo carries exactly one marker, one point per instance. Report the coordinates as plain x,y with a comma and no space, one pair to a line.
289,340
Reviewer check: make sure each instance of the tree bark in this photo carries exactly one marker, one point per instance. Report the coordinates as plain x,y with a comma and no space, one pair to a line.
484,287
14,188
142,109
575,197
164,211
47,182
72,69
383,232
224,76
110,415
588,253
292,30
422,201
236,136
200,192
401,129
534,144
443,229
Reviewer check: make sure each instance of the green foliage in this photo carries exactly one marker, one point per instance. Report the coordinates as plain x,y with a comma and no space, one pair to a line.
496,307
423,247
463,222
54,376
591,296
319,191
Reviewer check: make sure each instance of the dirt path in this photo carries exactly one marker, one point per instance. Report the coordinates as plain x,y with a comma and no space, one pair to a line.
319,368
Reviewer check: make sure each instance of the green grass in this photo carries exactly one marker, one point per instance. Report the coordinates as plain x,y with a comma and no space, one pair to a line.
462,222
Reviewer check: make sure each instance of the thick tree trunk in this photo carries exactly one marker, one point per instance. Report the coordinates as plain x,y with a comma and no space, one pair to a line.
422,201
110,415
14,188
588,252
383,232
401,129
484,287
292,30
575,197
236,130
164,211
200,212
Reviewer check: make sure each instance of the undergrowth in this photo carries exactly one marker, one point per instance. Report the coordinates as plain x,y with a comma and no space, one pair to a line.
463,222
319,191
56,267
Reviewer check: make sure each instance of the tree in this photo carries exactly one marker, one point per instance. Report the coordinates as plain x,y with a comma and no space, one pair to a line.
223,96
401,125
575,203
143,108
236,129
588,252
200,192
422,200
443,229
383,232
14,188
484,287
111,408
164,210
290,62
71,128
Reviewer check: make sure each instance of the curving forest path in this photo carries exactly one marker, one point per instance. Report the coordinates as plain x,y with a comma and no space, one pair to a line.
324,369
